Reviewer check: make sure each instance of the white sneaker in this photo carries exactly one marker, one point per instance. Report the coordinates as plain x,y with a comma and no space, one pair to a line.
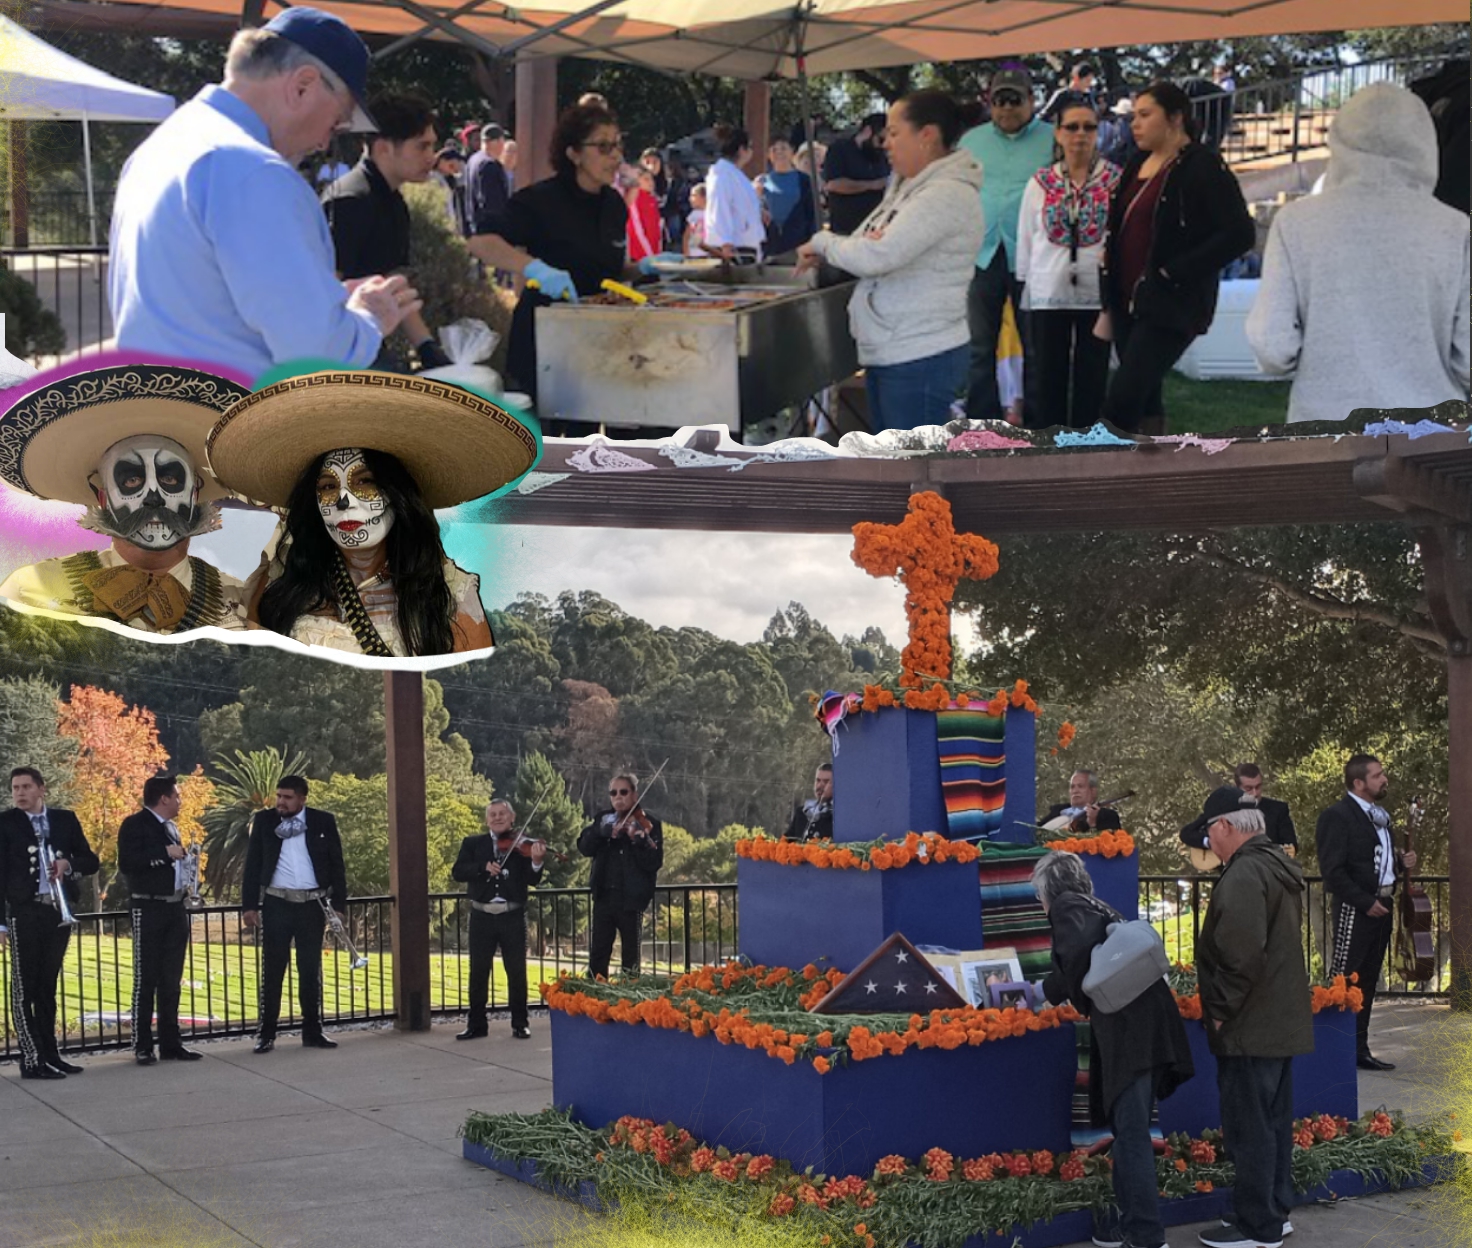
1287,1226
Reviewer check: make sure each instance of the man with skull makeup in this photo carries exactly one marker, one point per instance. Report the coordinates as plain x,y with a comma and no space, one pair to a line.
128,443
356,462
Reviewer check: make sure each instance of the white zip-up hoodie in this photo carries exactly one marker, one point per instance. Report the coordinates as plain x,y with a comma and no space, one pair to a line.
1365,287
914,256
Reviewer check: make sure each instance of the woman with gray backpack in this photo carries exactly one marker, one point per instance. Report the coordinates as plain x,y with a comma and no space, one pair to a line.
1114,974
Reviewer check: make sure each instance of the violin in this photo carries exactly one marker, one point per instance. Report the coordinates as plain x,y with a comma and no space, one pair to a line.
1415,945
631,822
517,842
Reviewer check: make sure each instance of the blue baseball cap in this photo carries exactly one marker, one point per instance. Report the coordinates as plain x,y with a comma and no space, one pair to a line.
333,42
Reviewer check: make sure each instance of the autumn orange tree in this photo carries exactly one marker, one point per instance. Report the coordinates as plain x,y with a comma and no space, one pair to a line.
117,750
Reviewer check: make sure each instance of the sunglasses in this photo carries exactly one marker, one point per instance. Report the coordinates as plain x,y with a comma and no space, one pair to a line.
1007,99
620,792
1075,127
606,147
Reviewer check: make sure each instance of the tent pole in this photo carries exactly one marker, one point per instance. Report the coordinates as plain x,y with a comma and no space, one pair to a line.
87,166
815,183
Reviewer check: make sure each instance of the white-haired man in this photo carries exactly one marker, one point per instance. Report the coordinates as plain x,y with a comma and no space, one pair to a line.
219,251
1256,1006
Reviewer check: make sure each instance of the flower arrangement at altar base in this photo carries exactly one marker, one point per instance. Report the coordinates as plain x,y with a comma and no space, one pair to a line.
930,558
1111,843
937,1200
877,855
1338,994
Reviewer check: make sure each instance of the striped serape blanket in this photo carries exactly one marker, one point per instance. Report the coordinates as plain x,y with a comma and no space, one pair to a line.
1010,911
973,770
1085,1136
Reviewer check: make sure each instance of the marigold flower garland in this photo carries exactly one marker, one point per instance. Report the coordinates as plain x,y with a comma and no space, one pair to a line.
930,557
880,855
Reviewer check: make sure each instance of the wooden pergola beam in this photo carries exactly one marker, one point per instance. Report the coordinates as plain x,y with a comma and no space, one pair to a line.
408,847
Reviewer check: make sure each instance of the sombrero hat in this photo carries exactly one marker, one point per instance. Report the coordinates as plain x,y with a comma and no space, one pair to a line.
52,439
456,444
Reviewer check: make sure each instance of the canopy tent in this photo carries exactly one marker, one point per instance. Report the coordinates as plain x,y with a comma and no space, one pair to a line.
756,39
42,83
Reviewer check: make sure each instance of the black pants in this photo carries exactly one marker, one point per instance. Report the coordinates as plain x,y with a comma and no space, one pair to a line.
990,289
282,922
1360,943
610,919
1257,1121
160,945
1146,354
487,931
38,941
1072,369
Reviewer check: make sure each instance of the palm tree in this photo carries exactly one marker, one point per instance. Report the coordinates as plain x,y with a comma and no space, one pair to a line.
248,786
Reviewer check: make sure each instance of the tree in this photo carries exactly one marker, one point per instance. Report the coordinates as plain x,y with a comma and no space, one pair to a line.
449,756
29,734
117,750
709,861
558,820
247,785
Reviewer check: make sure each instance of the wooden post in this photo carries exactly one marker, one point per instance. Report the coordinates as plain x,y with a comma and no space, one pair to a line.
536,115
408,847
20,195
757,122
1446,559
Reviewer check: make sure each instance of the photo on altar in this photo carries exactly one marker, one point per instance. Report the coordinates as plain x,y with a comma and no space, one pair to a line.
1018,996
984,975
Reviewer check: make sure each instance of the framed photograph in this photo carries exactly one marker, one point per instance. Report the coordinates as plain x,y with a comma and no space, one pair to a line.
948,967
986,968
1016,996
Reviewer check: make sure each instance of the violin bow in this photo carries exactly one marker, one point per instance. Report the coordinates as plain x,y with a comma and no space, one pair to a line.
648,785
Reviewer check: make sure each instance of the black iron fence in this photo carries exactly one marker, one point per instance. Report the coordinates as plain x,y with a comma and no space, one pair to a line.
1177,905
71,287
688,926
61,218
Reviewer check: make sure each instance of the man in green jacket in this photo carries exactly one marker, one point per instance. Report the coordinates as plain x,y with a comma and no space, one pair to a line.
1257,1009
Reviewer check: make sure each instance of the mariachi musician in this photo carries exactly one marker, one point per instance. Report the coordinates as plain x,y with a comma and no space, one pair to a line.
497,867
813,820
33,918
1083,806
627,849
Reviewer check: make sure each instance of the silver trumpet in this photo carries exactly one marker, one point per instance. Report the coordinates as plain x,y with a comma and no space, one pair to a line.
190,874
58,892
341,934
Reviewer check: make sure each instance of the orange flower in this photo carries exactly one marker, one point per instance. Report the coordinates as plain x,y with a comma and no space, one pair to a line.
822,1065
1066,733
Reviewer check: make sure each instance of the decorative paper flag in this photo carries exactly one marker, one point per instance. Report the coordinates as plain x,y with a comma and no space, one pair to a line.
985,440
599,457
1207,446
687,457
1099,435
534,481
1383,428
894,979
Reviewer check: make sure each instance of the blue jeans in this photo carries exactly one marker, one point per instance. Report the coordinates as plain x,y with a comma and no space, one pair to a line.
1257,1121
1136,1191
920,392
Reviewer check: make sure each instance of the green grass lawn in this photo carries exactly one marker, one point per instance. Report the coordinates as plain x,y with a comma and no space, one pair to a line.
1216,406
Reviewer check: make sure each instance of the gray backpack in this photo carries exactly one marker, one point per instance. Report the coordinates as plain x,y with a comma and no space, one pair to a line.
1124,965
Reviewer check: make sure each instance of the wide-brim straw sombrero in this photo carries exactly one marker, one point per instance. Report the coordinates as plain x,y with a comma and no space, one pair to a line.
456,444
52,439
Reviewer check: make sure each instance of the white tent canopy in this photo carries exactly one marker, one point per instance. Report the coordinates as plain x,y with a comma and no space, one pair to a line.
42,83
754,39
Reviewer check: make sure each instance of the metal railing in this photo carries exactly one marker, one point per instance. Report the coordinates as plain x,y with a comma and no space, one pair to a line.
1291,116
1177,905
60,218
686,927
71,282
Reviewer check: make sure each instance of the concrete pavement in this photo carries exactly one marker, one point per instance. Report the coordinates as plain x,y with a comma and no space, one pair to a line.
302,1148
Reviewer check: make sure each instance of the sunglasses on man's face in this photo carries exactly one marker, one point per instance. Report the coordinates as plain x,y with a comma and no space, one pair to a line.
620,792
1007,99
1077,127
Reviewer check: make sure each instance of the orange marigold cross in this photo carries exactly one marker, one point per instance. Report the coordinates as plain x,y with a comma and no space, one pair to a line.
930,558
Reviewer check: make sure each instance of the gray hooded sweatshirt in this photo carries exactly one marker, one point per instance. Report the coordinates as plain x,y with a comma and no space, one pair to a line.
1365,287
913,256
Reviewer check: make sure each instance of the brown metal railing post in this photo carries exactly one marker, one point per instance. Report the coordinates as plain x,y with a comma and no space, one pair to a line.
408,848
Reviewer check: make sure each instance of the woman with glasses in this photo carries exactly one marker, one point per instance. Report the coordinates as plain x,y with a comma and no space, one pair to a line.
1060,247
566,234
913,256
734,228
1177,220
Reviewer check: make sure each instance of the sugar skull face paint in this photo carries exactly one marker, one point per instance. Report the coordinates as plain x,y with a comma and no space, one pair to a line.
353,508
148,491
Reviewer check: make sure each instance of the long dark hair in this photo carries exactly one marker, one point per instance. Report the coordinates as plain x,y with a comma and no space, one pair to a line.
1174,102
416,560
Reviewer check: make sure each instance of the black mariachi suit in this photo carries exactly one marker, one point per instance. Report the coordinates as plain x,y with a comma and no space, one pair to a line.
489,930
160,929
38,938
1280,822
285,921
812,821
1348,847
622,880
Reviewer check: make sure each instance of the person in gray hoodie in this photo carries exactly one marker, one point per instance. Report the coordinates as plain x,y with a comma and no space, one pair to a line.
1258,1012
1365,287
913,257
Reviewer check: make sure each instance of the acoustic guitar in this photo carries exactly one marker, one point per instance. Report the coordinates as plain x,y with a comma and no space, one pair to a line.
1415,941
1079,824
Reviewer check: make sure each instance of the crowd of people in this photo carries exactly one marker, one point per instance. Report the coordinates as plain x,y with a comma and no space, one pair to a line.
1101,229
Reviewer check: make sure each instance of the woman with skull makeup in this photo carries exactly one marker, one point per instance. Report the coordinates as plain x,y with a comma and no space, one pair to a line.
127,443
357,564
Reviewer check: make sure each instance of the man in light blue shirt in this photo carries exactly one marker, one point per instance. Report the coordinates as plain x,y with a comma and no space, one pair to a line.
1010,148
219,251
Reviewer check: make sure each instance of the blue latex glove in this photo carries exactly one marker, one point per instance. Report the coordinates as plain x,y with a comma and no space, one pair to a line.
554,283
647,265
